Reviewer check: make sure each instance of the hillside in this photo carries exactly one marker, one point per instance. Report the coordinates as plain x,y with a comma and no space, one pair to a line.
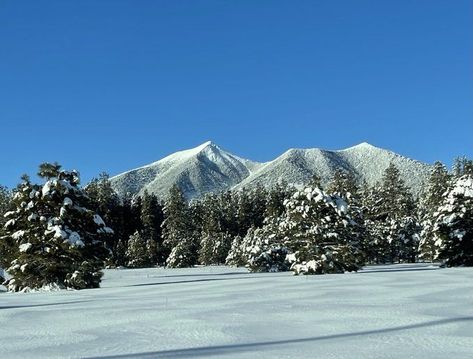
209,168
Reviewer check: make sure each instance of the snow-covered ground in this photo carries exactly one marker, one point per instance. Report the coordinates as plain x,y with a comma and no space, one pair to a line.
400,311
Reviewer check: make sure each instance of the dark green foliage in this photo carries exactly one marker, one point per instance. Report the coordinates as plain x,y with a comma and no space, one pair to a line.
431,200
179,237
137,252
453,224
56,239
386,206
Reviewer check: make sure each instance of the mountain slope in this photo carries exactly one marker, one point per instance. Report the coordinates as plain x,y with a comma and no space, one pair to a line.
203,169
208,168
366,162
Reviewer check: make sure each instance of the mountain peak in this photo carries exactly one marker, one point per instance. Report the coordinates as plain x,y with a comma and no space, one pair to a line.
209,168
362,145
206,144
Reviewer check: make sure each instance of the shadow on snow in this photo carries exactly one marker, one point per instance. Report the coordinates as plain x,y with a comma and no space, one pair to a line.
231,348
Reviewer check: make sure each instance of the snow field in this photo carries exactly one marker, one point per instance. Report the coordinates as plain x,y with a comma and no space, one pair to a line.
392,311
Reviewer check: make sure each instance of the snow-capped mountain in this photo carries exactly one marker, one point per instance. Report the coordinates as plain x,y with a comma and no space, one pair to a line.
209,168
206,168
365,161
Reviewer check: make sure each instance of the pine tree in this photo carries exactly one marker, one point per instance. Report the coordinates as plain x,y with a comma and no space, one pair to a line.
321,235
275,200
179,236
264,249
387,207
59,241
5,203
343,184
105,201
453,224
184,253
151,220
235,257
137,251
431,201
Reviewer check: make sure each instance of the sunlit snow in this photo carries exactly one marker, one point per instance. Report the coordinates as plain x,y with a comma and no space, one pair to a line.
392,311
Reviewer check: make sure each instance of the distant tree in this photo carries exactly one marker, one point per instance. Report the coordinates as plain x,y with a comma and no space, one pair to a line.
389,208
315,181
462,166
431,201
275,200
137,251
151,219
179,236
105,201
344,184
236,256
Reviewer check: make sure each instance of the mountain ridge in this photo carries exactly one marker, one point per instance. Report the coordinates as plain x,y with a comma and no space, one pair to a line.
209,168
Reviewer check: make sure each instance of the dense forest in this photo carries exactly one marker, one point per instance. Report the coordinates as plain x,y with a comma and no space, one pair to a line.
59,234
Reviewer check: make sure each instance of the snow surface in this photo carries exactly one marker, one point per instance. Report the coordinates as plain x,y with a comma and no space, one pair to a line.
393,311
209,168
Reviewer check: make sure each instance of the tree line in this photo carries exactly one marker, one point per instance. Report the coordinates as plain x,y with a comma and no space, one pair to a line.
58,233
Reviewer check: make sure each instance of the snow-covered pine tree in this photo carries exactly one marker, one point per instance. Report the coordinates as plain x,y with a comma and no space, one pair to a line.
431,200
184,253
264,248
453,224
5,203
137,252
179,236
235,257
462,166
214,243
105,201
387,206
343,184
59,240
320,233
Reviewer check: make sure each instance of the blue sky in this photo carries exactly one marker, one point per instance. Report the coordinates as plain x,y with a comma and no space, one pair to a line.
109,85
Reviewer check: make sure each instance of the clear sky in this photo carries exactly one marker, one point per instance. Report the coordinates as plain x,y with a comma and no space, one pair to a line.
109,85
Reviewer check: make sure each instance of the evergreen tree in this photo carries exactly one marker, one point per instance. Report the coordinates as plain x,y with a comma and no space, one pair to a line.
343,184
236,256
137,251
59,241
387,207
264,249
275,200
462,166
151,220
453,224
315,181
184,253
431,201
105,201
320,233
179,236
5,202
